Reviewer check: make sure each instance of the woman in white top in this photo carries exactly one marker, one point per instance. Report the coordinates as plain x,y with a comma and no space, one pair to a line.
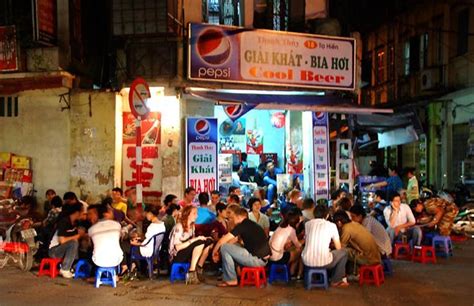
286,249
256,216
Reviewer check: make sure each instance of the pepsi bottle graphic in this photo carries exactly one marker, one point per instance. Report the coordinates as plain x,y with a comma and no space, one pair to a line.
151,137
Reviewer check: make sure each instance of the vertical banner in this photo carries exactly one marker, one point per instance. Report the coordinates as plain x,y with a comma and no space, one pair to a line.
151,160
321,155
201,154
344,164
8,49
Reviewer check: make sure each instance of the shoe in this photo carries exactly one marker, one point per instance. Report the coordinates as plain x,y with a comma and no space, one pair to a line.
66,274
133,275
191,278
340,284
200,274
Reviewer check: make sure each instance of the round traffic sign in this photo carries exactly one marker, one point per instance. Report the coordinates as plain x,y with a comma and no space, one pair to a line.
138,97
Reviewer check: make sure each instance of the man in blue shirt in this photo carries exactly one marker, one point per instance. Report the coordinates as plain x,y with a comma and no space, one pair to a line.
270,180
392,184
205,216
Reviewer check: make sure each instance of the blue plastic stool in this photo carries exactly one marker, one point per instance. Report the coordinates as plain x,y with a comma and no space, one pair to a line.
428,238
321,280
83,269
178,271
278,272
443,246
387,267
108,278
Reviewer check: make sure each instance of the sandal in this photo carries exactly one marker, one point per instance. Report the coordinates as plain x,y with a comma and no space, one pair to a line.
341,284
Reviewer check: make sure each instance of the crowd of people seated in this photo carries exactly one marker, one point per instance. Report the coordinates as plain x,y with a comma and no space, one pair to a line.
221,233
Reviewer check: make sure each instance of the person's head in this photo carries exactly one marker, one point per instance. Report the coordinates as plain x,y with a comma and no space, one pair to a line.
203,198
358,213
340,218
28,203
395,200
173,210
221,210
417,206
308,203
270,166
188,217
233,199
321,211
70,198
254,204
117,194
259,193
392,170
134,236
132,194
92,213
73,211
152,212
215,197
170,199
50,193
294,195
56,202
107,201
234,190
232,210
189,194
410,171
292,218
105,212
344,204
240,215
379,195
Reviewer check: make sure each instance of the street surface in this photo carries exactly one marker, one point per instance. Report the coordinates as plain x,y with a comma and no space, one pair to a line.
450,282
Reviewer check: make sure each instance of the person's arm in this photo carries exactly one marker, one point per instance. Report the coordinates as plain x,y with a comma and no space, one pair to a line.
438,215
63,239
411,220
378,185
266,225
227,238
335,238
345,237
294,239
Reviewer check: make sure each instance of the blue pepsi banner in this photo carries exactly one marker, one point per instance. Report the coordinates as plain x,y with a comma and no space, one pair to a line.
201,154
321,155
264,57
235,111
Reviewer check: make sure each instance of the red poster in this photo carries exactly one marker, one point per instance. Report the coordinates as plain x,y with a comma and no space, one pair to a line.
151,129
8,49
254,142
45,21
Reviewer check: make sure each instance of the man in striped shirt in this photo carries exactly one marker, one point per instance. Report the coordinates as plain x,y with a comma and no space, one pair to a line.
377,230
316,254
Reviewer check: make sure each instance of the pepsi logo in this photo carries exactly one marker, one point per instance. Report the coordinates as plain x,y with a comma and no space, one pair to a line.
319,115
202,127
233,111
213,46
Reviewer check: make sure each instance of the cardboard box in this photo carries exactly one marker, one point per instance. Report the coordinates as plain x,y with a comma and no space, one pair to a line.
5,160
21,162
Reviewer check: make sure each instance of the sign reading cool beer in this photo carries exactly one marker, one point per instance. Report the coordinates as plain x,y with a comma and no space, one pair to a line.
230,54
201,154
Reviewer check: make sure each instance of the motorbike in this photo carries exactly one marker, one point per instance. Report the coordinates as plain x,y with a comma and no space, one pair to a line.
18,237
464,221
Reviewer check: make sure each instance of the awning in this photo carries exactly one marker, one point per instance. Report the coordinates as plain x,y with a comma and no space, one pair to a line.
12,83
290,100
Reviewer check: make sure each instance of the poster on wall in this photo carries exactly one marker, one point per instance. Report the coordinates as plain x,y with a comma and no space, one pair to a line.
8,49
344,164
254,142
45,21
151,159
201,154
321,155
151,129
294,154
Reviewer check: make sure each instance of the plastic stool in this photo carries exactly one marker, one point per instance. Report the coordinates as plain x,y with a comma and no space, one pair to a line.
424,254
278,272
372,274
178,271
321,280
428,238
253,276
83,269
108,279
49,266
387,266
445,247
402,251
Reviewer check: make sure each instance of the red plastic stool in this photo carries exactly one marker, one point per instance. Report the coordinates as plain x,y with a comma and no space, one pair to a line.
424,254
49,266
402,251
372,274
253,276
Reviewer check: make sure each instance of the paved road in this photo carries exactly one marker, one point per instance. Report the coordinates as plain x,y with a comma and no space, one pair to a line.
450,282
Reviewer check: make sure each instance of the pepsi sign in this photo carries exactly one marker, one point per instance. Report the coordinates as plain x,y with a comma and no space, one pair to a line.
202,129
235,111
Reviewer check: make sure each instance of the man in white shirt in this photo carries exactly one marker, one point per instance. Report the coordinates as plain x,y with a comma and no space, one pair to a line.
401,221
316,254
105,235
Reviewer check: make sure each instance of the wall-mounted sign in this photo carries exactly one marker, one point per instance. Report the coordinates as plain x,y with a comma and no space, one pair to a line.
201,154
238,55
45,21
8,49
321,155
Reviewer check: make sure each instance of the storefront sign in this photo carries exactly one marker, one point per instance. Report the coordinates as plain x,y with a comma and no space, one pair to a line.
44,21
237,55
321,155
8,49
201,154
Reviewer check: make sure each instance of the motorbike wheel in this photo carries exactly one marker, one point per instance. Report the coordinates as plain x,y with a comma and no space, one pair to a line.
25,260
